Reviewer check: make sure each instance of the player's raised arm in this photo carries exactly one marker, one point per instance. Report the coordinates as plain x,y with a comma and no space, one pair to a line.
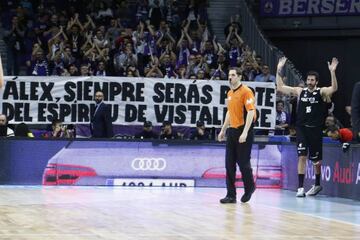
328,91
279,80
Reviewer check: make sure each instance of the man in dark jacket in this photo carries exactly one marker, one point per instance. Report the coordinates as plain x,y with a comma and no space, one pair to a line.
101,125
167,131
200,132
147,132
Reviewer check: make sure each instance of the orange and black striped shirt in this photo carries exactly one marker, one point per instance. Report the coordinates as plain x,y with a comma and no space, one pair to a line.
240,101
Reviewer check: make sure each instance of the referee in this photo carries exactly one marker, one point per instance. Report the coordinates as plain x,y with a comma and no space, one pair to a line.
239,118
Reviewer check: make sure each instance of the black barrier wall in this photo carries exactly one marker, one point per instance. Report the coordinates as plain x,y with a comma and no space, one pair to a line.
24,161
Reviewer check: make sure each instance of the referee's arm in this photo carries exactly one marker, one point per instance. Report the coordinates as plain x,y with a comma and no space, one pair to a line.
221,135
249,120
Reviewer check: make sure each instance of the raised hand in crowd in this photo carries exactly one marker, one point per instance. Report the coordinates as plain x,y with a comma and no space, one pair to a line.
57,39
182,73
169,50
202,29
89,24
150,28
190,40
169,36
229,37
221,49
16,27
217,72
75,21
155,70
69,25
180,41
89,42
215,45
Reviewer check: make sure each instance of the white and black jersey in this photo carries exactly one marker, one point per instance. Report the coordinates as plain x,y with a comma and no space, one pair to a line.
310,110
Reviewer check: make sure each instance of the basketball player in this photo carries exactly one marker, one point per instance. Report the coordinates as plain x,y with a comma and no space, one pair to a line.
239,118
310,120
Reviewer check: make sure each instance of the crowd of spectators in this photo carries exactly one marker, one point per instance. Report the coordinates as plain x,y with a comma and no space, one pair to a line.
147,38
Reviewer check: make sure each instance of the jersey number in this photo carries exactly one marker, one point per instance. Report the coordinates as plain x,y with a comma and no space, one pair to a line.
308,109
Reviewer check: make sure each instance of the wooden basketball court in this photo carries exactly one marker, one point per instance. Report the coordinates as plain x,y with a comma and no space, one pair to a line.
170,213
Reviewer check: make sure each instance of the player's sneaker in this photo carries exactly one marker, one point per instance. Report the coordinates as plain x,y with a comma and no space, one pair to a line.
300,192
314,190
315,162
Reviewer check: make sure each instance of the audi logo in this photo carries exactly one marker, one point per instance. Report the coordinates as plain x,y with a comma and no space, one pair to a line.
148,164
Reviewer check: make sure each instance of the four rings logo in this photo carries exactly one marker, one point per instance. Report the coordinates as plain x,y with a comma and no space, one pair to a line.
148,164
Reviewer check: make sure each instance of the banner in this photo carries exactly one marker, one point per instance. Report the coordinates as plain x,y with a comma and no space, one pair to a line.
132,101
293,8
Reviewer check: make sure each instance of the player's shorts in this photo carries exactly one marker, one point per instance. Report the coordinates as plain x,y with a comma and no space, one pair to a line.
309,139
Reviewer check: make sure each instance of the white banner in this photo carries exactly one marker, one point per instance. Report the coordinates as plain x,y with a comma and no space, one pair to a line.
38,100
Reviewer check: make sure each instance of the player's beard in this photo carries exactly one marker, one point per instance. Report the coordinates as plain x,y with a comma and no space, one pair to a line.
311,86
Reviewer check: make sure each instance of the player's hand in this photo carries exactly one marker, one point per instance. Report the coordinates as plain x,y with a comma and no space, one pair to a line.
243,137
281,63
333,65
